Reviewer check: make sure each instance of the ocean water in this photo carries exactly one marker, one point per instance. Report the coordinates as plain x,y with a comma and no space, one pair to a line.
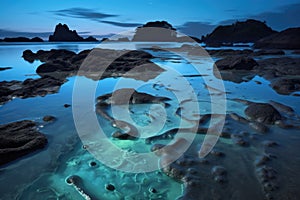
42,175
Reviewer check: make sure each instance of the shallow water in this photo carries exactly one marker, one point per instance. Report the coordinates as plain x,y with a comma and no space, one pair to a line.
42,175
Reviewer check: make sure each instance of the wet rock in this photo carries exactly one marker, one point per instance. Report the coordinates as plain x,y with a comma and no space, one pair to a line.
29,88
110,187
123,136
262,113
74,179
282,108
236,63
286,85
18,139
49,118
259,127
238,118
129,96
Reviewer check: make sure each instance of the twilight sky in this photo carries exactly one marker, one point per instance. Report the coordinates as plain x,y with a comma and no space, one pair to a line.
100,17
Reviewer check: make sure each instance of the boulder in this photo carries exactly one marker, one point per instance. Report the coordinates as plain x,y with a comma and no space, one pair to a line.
18,139
263,113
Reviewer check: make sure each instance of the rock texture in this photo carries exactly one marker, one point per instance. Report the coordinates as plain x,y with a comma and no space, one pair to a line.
18,139
287,39
247,31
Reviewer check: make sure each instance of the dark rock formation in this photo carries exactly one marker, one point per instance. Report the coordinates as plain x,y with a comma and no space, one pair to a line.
18,139
128,96
155,31
5,68
236,63
286,85
235,68
22,39
49,118
112,63
263,113
29,88
287,39
247,31
62,33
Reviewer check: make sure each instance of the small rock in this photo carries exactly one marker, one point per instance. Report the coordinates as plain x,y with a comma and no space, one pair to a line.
110,187
49,118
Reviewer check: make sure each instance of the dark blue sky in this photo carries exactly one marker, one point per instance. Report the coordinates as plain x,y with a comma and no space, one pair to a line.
195,17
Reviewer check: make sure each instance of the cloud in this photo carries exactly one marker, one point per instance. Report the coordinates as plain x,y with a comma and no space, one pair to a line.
82,13
120,24
196,29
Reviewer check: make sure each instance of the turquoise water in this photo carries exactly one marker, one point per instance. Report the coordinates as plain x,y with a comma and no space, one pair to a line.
43,175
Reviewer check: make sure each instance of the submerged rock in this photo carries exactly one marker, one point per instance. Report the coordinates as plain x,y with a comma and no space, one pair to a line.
18,139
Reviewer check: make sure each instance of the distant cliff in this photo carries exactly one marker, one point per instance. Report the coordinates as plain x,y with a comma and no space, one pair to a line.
239,32
62,33
287,39
22,39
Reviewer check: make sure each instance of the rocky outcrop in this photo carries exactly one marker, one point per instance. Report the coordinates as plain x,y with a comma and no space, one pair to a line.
112,63
287,39
22,39
128,96
29,88
62,33
18,139
239,32
155,31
